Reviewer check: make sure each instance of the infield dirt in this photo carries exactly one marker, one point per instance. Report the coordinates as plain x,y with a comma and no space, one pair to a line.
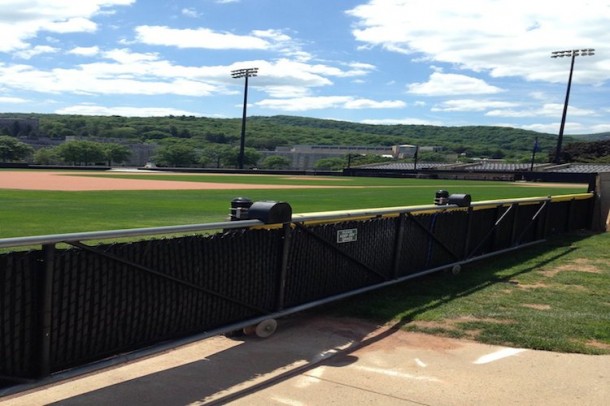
70,181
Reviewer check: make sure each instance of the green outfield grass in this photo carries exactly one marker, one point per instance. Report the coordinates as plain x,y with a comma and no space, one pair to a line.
25,213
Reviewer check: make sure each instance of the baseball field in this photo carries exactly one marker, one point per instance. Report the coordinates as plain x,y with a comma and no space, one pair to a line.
38,202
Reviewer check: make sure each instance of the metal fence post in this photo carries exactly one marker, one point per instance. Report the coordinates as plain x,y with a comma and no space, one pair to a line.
398,243
568,225
281,292
513,231
468,235
46,311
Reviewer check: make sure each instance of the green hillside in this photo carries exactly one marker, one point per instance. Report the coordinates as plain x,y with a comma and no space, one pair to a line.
267,133
593,137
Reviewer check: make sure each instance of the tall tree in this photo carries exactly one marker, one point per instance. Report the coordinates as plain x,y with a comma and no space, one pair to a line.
81,152
212,155
175,155
230,157
46,156
116,153
12,150
275,162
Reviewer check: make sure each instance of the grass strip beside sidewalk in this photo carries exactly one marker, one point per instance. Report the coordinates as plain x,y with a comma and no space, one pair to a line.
554,296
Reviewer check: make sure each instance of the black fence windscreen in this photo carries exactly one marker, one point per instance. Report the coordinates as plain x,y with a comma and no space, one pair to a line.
63,308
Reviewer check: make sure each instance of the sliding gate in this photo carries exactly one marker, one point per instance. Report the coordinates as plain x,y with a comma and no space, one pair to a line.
62,307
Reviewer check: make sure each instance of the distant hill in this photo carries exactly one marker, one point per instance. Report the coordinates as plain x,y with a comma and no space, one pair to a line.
473,140
267,133
592,137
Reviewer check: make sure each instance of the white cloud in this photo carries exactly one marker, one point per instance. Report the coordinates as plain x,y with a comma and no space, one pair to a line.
37,50
95,110
106,79
12,100
71,25
600,128
126,72
272,35
289,74
502,37
404,121
327,102
198,38
189,12
546,110
85,51
126,57
271,40
570,128
287,91
22,20
539,95
472,105
373,104
448,84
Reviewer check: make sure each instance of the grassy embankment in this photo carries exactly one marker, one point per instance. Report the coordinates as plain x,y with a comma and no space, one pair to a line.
554,296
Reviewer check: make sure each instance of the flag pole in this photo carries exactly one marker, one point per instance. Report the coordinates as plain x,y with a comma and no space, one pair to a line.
534,154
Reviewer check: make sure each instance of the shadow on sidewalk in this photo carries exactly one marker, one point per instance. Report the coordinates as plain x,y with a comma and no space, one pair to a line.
302,342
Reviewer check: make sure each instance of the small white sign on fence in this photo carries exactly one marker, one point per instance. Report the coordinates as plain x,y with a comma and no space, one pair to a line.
348,235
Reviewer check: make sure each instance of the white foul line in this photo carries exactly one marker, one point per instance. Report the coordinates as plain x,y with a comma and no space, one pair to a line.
420,363
495,356
397,374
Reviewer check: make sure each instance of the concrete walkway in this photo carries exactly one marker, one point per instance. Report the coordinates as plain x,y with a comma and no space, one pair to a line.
314,360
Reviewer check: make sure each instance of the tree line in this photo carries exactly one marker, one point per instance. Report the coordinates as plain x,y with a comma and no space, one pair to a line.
71,152
590,152
188,140
172,154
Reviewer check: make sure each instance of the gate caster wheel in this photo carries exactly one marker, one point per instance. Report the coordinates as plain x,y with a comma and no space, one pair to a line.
263,329
456,269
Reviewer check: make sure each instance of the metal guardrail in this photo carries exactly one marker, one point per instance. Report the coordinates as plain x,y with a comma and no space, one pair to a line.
126,233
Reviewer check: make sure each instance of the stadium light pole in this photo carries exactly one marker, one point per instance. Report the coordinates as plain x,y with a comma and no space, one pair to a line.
238,74
573,53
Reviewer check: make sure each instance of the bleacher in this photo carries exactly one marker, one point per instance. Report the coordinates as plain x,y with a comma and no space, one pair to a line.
408,166
495,166
584,168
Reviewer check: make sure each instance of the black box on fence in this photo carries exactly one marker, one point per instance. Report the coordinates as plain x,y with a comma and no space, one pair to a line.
270,212
460,200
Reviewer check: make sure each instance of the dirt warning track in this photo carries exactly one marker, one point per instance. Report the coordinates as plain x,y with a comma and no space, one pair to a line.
70,181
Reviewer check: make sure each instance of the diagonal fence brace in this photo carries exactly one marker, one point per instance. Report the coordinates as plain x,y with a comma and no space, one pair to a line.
164,276
491,230
431,235
542,207
340,251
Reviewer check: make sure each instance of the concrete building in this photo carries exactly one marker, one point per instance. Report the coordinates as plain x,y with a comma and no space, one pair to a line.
304,157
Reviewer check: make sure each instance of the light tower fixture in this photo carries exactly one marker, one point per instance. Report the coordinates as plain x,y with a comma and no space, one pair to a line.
572,53
238,74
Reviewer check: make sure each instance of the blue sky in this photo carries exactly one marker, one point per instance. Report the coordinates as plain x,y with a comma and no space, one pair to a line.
438,62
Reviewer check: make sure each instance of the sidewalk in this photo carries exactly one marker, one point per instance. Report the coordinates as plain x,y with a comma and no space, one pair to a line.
313,360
